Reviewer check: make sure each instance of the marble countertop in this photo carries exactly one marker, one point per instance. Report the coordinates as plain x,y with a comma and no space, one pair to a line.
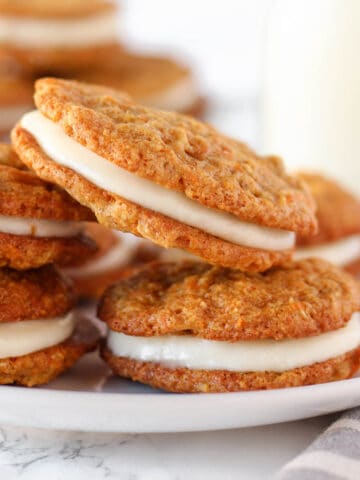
254,453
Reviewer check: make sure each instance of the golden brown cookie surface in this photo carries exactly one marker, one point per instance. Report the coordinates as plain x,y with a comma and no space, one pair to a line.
178,153
23,194
184,380
23,252
301,299
338,211
34,294
43,366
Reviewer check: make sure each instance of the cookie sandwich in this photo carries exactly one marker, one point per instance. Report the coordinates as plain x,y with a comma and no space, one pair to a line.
40,333
57,35
338,214
39,223
157,82
164,176
192,327
115,259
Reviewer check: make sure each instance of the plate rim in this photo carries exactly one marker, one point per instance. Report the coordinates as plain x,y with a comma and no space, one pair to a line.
17,408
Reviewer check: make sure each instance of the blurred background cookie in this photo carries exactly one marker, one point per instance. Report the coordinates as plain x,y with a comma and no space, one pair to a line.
54,35
338,214
117,256
81,39
157,82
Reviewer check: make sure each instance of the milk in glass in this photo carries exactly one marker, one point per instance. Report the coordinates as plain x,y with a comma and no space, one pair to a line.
311,94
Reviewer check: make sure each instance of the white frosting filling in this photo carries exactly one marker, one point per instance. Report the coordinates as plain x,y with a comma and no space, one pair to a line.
39,227
119,255
9,115
52,33
28,336
242,356
341,252
179,97
108,176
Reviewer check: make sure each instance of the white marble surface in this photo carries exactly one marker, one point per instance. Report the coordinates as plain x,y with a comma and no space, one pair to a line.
253,453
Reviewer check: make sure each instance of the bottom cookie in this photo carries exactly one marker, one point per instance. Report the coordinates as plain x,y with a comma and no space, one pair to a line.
44,365
184,380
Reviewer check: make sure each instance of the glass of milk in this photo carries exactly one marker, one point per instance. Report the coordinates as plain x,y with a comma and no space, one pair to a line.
311,94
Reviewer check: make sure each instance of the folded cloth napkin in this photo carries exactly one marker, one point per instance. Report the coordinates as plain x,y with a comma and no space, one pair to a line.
334,455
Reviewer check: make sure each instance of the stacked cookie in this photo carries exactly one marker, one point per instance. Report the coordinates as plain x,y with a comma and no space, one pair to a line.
338,214
40,225
54,36
118,255
244,317
79,39
157,82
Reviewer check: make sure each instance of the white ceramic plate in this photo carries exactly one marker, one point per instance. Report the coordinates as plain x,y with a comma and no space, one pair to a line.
88,398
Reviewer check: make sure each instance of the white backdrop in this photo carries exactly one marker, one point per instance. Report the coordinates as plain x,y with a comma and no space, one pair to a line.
222,39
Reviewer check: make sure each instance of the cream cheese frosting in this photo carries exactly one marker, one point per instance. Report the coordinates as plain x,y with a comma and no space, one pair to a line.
242,356
341,252
119,255
39,227
28,336
65,151
52,33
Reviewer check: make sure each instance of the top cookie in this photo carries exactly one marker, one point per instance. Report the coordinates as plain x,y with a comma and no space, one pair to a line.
164,176
54,8
178,153
338,211
299,300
